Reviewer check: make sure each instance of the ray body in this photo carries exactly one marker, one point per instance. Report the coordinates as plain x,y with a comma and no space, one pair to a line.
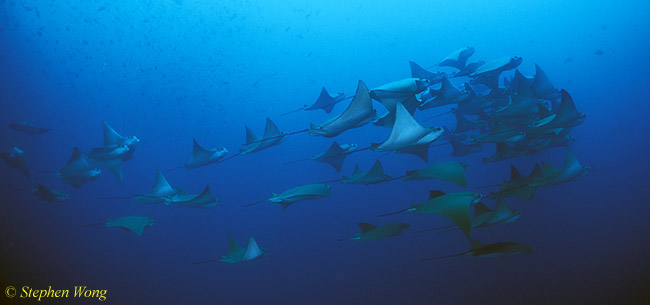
506,151
571,171
111,157
448,95
566,117
135,224
454,206
407,133
335,155
16,159
28,128
162,192
388,119
237,254
418,72
451,171
325,101
358,113
371,232
373,176
49,195
463,124
488,73
398,92
78,171
498,249
202,200
300,193
272,136
202,157
543,87
112,138
519,185
500,134
457,59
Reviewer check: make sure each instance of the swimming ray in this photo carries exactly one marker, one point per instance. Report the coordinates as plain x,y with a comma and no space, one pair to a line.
335,155
202,200
398,92
453,206
450,171
272,136
543,87
474,104
488,74
111,157
202,157
500,214
418,72
448,95
481,214
358,113
388,119
571,171
371,232
519,185
373,176
135,224
499,249
567,115
50,195
77,171
237,254
505,151
112,138
161,192
27,127
16,159
298,193
469,68
407,132
458,58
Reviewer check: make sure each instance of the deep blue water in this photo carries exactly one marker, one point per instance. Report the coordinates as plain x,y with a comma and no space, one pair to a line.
170,71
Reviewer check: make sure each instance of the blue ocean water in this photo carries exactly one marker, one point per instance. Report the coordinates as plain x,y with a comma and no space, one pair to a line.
171,71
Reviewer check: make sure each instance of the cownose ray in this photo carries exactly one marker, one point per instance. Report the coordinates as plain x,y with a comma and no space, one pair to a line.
334,155
460,149
27,127
135,224
448,95
566,116
458,58
183,199
373,176
475,103
506,151
500,133
522,101
298,193
388,119
519,185
469,68
408,136
116,149
498,249
15,158
450,171
324,102
488,74
543,87
453,206
372,232
359,113
418,72
272,136
237,254
571,171
202,157
484,216
162,191
78,171
398,92
49,195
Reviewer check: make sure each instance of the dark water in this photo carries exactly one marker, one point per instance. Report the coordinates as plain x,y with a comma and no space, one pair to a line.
170,71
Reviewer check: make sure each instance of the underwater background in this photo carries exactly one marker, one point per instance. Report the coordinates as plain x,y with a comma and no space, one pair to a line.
170,71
